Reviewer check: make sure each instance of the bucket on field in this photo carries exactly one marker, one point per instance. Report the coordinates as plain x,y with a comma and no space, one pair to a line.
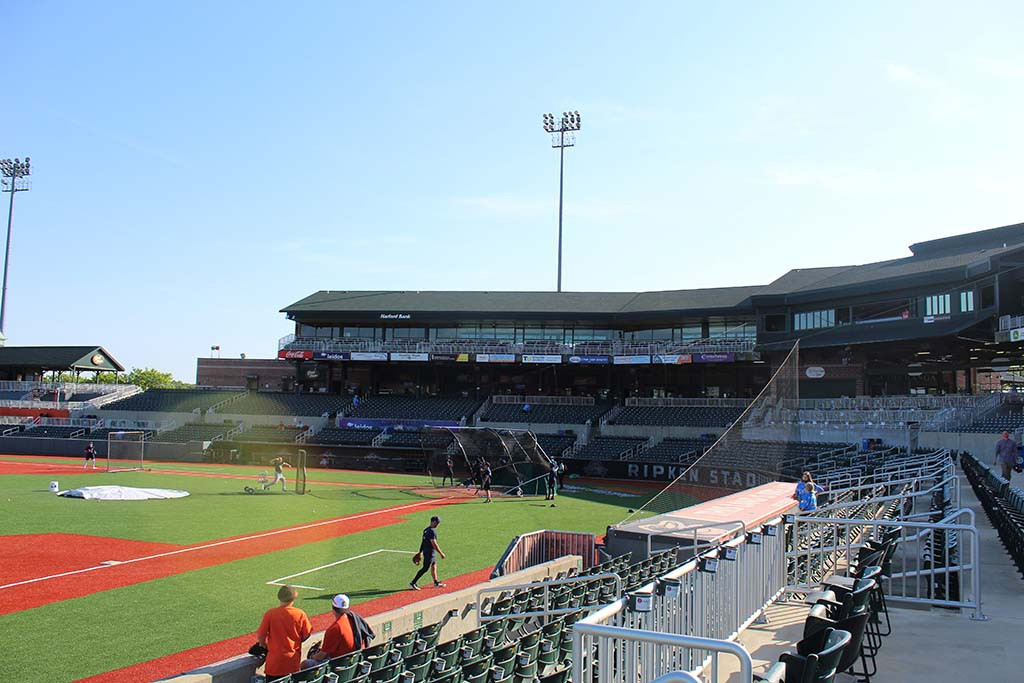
53,486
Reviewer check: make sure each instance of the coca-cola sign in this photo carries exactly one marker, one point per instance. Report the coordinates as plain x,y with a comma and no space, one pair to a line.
294,355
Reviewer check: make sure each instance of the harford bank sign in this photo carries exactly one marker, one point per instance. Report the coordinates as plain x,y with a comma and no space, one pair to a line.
395,316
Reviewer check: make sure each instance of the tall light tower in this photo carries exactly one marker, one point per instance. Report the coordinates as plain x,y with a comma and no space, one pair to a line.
14,176
562,136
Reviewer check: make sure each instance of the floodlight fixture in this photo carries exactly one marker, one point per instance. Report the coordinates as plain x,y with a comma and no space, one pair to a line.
562,135
14,175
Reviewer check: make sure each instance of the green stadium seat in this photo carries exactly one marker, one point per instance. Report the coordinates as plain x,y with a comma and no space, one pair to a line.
387,674
452,676
815,667
525,673
313,674
419,670
557,676
448,652
430,634
349,667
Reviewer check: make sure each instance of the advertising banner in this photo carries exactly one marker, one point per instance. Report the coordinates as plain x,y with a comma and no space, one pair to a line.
384,423
631,360
495,358
359,355
419,357
677,359
542,358
295,355
457,357
330,355
714,357
589,360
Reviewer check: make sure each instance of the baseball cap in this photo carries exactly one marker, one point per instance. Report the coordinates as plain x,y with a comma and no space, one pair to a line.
435,518
340,601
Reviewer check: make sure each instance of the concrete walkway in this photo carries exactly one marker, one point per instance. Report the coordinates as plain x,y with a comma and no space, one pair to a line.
927,645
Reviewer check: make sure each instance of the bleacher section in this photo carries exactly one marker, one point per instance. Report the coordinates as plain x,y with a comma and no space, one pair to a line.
101,433
51,432
409,408
269,433
344,437
1004,505
431,440
678,416
554,445
506,648
1006,417
171,400
544,414
194,432
607,448
282,403
683,451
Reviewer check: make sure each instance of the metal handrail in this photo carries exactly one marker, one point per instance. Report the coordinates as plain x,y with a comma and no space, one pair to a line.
581,630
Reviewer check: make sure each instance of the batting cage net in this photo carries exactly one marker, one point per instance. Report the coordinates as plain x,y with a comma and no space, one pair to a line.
126,451
518,464
757,448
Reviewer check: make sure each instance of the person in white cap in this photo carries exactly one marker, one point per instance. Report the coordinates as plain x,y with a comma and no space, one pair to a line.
348,633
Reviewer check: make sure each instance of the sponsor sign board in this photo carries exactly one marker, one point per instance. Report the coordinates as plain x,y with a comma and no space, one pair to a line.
330,355
815,372
395,316
631,360
674,359
495,358
379,423
714,357
1017,334
419,357
589,360
541,358
457,357
295,355
374,356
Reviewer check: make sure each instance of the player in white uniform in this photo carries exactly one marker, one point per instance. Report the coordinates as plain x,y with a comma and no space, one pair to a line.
279,465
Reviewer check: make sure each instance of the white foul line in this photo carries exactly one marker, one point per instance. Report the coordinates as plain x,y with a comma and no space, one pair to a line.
219,543
277,582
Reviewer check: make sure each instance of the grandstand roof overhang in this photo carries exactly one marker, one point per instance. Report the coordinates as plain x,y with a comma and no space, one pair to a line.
873,333
60,358
395,307
946,261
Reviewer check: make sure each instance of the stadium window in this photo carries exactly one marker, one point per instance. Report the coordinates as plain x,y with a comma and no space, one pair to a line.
716,328
505,333
663,334
468,331
691,331
307,331
603,335
937,304
966,302
444,333
988,296
814,320
775,323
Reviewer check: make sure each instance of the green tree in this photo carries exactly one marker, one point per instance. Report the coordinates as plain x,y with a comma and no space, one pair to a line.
151,378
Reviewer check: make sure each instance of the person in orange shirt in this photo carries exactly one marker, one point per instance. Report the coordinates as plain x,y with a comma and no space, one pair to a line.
340,638
282,632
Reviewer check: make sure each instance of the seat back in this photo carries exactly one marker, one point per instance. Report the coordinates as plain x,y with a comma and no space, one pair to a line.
828,659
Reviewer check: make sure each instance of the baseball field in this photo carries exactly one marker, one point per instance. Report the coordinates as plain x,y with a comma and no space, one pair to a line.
137,590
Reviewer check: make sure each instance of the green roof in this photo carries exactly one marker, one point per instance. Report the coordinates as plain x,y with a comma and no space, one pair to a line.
59,358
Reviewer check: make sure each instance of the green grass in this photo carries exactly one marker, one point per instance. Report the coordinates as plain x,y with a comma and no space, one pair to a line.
124,626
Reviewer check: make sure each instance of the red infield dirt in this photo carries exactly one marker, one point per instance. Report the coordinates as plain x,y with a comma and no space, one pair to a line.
215,652
56,582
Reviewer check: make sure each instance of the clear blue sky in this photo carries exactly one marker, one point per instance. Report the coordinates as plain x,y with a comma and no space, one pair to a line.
198,166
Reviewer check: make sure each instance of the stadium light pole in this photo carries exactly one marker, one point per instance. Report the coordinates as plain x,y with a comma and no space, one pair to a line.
562,136
14,173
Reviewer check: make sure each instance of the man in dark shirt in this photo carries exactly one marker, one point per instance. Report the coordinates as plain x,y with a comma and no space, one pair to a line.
450,471
552,481
90,454
1006,455
429,550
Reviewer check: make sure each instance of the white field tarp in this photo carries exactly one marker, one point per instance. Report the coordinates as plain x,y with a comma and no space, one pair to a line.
121,493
